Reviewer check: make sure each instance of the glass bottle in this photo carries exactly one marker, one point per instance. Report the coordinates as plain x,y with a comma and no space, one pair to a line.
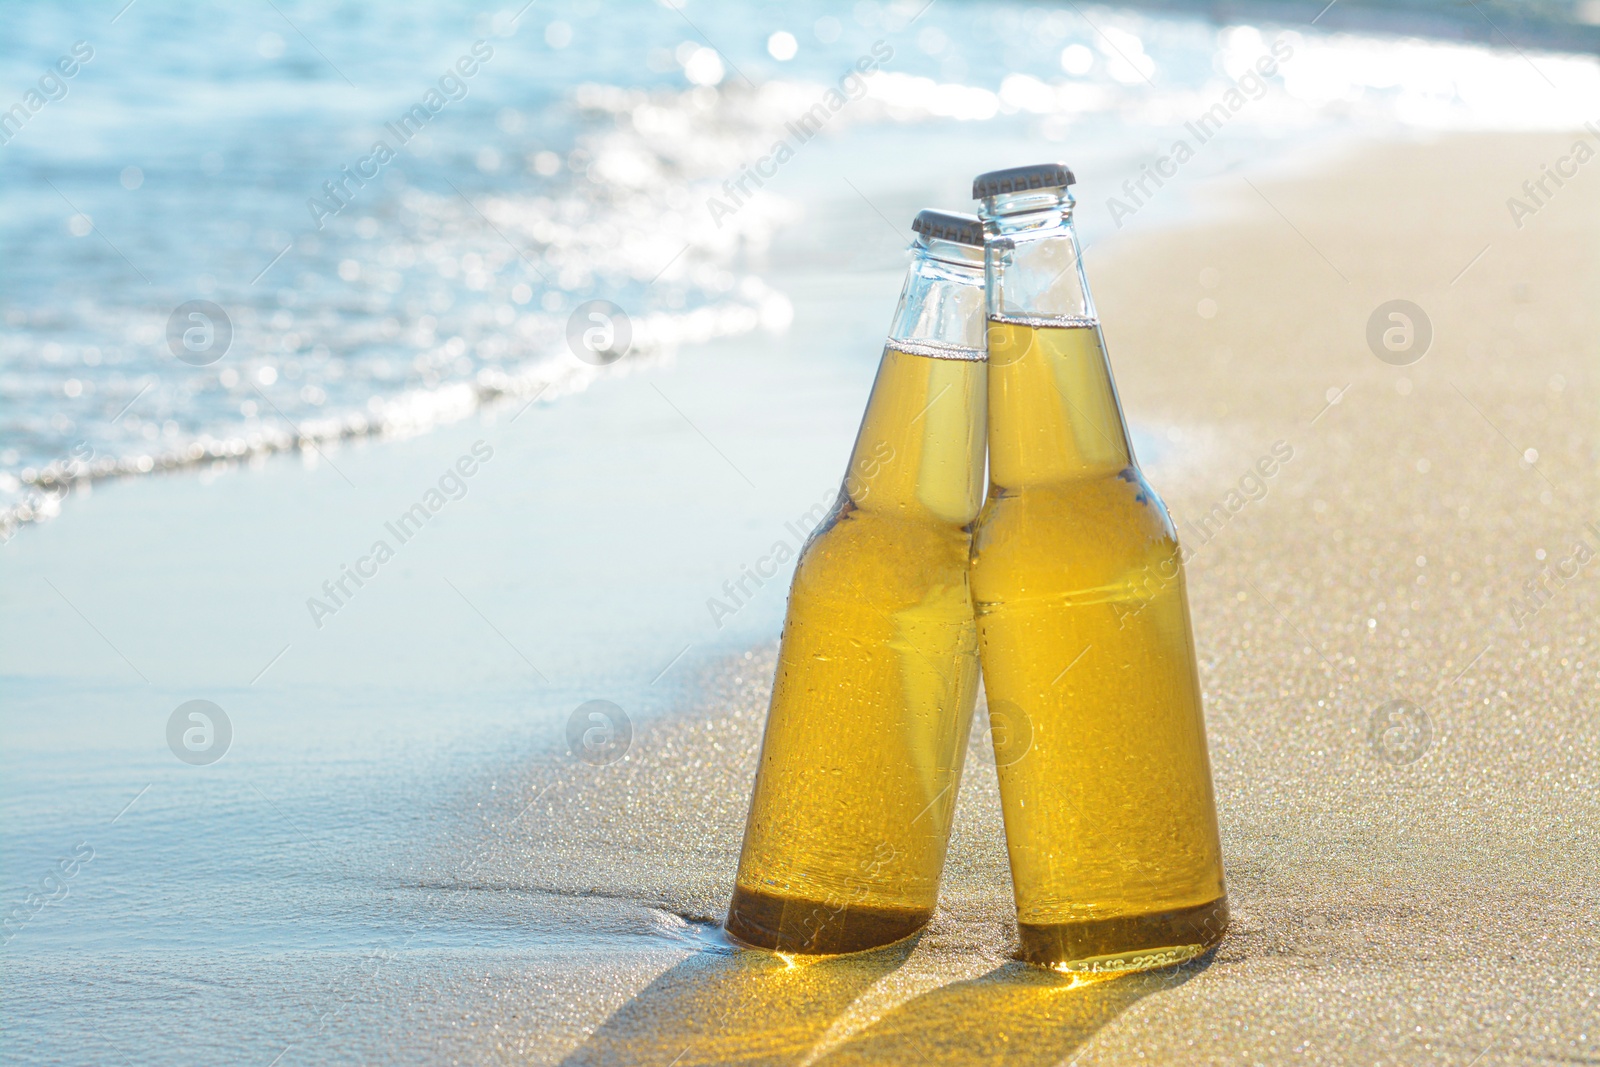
878,670
1083,620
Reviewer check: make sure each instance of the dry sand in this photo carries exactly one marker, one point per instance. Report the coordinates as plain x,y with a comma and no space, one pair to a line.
1436,909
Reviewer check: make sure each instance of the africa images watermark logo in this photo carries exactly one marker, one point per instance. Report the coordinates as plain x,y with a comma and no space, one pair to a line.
1537,192
51,86
1010,731
1159,577
1399,332
599,332
199,732
864,468
852,86
450,88
1554,577
599,732
1249,86
1400,733
452,485
53,888
199,332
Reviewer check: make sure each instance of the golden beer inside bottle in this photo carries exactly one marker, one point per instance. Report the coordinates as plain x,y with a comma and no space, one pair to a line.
1089,670
876,678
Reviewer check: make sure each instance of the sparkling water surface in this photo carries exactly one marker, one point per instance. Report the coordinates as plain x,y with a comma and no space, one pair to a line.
186,157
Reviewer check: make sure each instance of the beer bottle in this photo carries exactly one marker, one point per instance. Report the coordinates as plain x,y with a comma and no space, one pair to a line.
1083,621
878,669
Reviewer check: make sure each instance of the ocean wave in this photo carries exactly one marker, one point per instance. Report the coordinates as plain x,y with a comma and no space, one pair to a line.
429,306
450,283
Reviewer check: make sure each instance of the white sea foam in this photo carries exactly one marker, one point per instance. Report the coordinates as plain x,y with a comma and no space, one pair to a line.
423,303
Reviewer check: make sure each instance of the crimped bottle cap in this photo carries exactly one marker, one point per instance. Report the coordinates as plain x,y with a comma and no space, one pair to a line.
949,226
1022,179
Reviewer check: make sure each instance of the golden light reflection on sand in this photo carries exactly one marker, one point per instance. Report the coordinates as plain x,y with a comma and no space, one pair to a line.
754,1007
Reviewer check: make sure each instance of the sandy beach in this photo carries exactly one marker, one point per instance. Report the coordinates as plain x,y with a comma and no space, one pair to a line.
447,883
1392,903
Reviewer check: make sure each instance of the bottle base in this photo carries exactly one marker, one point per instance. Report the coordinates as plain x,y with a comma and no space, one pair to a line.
1127,943
815,927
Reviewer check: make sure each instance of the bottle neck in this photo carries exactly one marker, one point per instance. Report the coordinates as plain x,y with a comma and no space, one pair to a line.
1053,410
1054,415
919,454
1033,260
942,303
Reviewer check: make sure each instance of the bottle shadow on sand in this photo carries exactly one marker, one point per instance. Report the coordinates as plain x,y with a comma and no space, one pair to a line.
1017,1014
744,1006
756,1007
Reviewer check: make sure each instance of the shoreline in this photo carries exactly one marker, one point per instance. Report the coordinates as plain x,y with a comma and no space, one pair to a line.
398,827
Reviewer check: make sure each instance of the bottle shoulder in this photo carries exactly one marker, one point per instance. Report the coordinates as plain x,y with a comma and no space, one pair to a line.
1094,529
877,554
